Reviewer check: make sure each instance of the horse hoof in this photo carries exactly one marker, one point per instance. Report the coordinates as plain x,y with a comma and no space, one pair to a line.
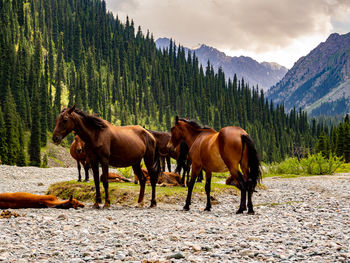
153,204
79,181
96,206
86,180
239,211
207,209
140,204
106,206
251,212
186,208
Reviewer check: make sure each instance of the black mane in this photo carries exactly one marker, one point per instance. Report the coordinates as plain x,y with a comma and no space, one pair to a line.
91,120
195,124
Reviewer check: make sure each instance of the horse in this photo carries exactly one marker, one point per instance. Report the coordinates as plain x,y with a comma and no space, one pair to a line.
162,139
27,200
78,153
220,151
180,154
106,144
113,177
165,178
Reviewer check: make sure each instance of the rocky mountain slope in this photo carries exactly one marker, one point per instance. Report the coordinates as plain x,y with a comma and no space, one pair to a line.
320,81
263,74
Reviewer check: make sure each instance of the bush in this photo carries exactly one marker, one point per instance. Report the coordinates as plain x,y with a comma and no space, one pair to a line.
314,164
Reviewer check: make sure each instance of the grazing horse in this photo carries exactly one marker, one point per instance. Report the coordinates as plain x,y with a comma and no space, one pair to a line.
77,150
106,144
162,139
220,151
28,200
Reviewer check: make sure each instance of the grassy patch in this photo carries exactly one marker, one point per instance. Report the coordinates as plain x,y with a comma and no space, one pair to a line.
127,193
344,168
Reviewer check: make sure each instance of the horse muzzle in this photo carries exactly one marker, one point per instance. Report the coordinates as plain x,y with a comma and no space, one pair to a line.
56,139
170,147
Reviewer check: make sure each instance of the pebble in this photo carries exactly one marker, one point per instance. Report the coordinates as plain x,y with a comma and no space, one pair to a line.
298,219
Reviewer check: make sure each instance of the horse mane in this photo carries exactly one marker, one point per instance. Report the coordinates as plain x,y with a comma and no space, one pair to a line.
91,120
195,124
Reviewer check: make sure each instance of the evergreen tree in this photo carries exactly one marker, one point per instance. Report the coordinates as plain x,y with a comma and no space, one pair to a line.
34,144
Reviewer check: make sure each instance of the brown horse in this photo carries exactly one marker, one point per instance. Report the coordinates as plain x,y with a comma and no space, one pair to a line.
77,150
28,200
111,145
220,151
165,178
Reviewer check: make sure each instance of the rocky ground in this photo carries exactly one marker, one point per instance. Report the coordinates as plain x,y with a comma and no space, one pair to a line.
300,219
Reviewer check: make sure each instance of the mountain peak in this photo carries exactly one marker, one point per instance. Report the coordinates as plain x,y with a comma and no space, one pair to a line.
318,78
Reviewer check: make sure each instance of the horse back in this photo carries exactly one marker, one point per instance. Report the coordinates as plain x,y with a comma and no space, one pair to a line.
128,144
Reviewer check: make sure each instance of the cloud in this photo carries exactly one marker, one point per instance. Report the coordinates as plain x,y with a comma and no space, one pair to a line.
254,25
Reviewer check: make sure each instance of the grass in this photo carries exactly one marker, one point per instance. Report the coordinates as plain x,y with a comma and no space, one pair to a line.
127,193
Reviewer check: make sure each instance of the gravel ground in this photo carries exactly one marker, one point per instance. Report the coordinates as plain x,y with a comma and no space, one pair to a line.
300,219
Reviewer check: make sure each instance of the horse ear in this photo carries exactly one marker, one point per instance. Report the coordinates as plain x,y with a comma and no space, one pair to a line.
71,109
71,198
176,119
63,108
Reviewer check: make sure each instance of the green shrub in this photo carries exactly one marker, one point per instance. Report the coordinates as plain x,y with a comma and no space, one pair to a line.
314,164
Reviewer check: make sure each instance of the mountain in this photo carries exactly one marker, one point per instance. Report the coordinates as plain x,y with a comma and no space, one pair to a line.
264,74
320,81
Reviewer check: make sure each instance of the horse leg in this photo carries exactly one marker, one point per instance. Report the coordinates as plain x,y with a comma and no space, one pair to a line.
153,178
142,180
250,203
97,184
200,176
187,168
162,159
207,189
86,168
79,174
104,179
194,174
169,163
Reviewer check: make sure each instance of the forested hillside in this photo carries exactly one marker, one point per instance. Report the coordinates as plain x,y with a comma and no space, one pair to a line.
58,53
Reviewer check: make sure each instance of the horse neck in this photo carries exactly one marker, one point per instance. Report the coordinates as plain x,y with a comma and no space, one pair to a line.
85,134
191,135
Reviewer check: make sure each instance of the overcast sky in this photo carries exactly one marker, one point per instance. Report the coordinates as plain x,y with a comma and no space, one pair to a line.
267,30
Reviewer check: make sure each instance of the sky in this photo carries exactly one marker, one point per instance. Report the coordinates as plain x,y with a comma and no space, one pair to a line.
279,31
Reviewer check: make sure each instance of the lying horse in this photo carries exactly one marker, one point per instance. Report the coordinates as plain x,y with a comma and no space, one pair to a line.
165,178
220,151
28,200
77,150
113,177
106,144
180,154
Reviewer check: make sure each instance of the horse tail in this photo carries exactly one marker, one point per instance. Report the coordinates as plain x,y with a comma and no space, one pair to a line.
254,174
152,154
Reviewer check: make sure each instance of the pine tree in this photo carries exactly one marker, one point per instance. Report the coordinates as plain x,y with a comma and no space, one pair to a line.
34,144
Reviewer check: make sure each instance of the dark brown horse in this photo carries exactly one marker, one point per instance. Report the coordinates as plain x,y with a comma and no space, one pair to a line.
107,144
77,150
221,151
162,139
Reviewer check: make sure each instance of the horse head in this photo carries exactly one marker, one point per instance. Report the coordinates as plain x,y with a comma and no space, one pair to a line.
73,203
64,125
79,143
177,135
